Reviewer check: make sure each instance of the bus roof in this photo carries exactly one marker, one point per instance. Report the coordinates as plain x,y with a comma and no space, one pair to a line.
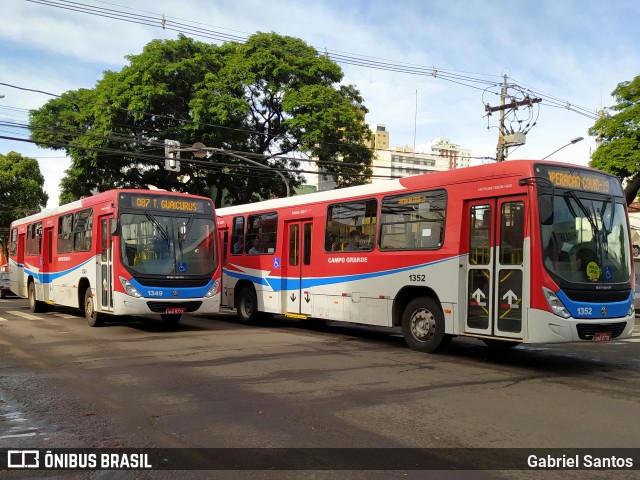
427,180
96,199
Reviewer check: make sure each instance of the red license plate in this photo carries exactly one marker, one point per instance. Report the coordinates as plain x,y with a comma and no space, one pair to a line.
602,337
175,311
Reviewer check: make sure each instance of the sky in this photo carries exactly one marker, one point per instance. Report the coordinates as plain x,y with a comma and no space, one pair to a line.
568,53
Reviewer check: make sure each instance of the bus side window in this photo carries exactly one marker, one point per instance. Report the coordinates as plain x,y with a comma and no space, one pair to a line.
83,231
237,236
262,233
413,221
351,226
65,233
14,242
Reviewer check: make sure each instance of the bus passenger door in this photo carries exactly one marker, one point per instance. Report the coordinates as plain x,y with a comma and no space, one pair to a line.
495,267
104,284
226,299
21,278
46,260
296,263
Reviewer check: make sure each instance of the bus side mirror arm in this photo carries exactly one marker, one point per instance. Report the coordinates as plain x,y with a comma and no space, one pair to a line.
545,205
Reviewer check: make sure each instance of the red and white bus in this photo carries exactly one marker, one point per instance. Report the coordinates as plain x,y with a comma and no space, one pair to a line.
512,252
121,252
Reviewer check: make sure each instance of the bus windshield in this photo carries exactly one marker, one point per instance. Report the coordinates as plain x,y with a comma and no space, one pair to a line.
588,240
159,244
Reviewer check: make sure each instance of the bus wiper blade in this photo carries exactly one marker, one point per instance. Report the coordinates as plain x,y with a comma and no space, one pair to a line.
155,221
613,212
187,227
584,209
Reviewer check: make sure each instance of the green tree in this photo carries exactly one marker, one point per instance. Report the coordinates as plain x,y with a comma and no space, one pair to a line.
21,191
269,99
619,152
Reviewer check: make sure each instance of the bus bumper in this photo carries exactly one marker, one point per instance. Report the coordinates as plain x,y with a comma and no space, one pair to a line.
128,305
545,327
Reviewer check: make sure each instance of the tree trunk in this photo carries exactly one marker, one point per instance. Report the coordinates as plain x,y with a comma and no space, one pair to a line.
631,190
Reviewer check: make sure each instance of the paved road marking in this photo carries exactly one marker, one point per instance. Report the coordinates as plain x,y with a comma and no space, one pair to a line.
64,315
28,316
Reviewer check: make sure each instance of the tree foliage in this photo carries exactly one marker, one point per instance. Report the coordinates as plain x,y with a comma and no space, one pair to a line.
269,99
21,188
619,152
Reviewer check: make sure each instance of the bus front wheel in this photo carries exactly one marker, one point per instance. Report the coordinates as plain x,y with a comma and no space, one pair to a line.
95,319
423,325
35,306
247,305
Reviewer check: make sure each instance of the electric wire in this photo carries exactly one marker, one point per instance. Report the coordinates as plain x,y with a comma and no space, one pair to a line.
169,23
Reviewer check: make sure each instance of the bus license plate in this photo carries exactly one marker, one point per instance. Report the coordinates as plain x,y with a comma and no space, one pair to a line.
602,337
175,311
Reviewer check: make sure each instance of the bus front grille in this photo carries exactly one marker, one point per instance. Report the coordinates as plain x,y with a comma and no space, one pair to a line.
161,307
586,331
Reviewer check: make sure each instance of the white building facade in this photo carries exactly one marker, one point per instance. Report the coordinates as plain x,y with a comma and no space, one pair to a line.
388,163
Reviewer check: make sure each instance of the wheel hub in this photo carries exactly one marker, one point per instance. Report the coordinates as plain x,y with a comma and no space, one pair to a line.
423,324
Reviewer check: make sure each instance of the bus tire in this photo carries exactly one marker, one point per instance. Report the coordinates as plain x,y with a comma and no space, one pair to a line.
35,306
423,325
94,319
170,318
247,305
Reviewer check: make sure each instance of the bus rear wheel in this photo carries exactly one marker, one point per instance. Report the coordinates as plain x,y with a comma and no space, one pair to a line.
170,318
247,305
95,319
423,325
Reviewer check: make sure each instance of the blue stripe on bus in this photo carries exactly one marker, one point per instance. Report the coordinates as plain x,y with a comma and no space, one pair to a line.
172,292
279,283
45,278
594,310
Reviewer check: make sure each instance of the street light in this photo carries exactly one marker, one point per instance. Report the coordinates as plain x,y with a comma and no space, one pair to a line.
199,150
571,142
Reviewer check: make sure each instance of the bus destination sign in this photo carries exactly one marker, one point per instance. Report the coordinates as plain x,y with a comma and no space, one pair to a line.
578,179
168,204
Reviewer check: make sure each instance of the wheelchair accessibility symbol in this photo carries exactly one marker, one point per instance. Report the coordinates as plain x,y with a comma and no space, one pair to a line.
182,267
276,262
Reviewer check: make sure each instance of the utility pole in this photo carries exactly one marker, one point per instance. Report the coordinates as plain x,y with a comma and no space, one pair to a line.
518,138
500,154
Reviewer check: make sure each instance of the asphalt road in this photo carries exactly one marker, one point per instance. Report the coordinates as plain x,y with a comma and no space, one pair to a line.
211,382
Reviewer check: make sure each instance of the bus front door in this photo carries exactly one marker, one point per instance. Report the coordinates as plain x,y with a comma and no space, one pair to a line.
495,276
296,261
104,284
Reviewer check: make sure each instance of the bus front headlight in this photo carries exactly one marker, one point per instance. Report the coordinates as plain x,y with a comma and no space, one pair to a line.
554,302
214,289
130,289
